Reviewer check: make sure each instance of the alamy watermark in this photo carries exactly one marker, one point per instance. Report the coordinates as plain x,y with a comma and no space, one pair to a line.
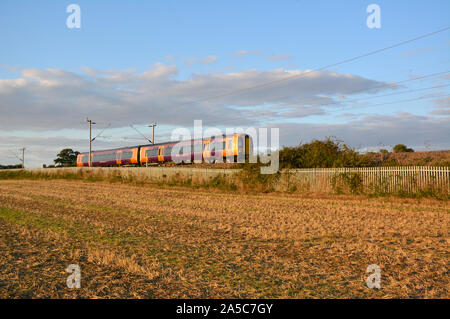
374,280
74,19
374,19
74,280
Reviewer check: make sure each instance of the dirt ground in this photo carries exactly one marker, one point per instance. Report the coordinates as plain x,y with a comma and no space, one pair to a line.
134,241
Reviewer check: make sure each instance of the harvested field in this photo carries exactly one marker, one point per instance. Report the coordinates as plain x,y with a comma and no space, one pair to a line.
143,241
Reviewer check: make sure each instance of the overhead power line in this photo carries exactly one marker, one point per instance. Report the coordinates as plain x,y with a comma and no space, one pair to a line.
385,85
98,135
318,69
398,101
353,100
141,134
378,96
21,159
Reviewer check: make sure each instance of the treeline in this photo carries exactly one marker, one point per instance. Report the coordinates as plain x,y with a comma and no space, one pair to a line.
11,166
330,153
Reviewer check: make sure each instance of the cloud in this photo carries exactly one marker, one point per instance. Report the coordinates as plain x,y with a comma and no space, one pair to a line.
170,58
441,106
412,53
53,99
90,71
246,52
8,67
206,60
209,59
189,61
373,130
275,58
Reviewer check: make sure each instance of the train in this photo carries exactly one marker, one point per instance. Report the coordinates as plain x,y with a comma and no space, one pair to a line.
232,148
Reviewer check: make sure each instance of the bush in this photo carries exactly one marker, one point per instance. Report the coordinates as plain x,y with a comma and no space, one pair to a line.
323,154
251,179
347,182
401,148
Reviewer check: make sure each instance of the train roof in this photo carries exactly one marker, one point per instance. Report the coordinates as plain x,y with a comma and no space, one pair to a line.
128,147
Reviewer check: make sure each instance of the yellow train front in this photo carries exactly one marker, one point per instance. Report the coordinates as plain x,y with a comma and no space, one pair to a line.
233,148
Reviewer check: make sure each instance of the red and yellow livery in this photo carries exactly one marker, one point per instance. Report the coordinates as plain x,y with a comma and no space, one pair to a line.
226,148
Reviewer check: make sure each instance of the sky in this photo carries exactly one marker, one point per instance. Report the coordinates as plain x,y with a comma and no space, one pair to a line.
227,63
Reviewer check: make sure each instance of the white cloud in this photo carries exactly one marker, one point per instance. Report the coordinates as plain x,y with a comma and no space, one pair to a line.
441,106
209,59
275,58
206,60
8,67
52,99
412,53
247,52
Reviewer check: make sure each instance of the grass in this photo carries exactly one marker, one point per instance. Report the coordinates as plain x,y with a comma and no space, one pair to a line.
247,180
143,241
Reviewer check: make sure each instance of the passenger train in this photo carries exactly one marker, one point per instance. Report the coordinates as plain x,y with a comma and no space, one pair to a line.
232,148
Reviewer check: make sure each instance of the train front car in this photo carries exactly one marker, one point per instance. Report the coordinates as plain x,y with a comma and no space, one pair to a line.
228,149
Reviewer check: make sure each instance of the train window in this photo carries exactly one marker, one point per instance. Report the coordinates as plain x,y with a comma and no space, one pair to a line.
104,157
109,157
186,149
167,150
85,159
240,142
151,152
127,155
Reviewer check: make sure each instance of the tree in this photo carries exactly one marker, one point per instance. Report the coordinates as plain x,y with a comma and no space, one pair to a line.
401,148
326,153
67,157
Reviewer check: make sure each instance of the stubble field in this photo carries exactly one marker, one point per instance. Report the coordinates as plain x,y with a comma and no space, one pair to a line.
134,241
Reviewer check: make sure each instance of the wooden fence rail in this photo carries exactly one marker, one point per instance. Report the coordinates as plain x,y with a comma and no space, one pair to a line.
410,179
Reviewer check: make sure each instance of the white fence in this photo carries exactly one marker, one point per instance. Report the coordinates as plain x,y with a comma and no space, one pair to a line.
386,179
410,179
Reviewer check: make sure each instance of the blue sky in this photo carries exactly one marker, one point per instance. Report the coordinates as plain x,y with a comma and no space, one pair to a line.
205,48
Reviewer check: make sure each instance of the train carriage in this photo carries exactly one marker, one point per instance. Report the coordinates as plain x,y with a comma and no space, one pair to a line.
114,157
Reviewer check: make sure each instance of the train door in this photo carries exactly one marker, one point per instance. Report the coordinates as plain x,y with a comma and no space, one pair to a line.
161,154
248,146
119,157
206,150
240,148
